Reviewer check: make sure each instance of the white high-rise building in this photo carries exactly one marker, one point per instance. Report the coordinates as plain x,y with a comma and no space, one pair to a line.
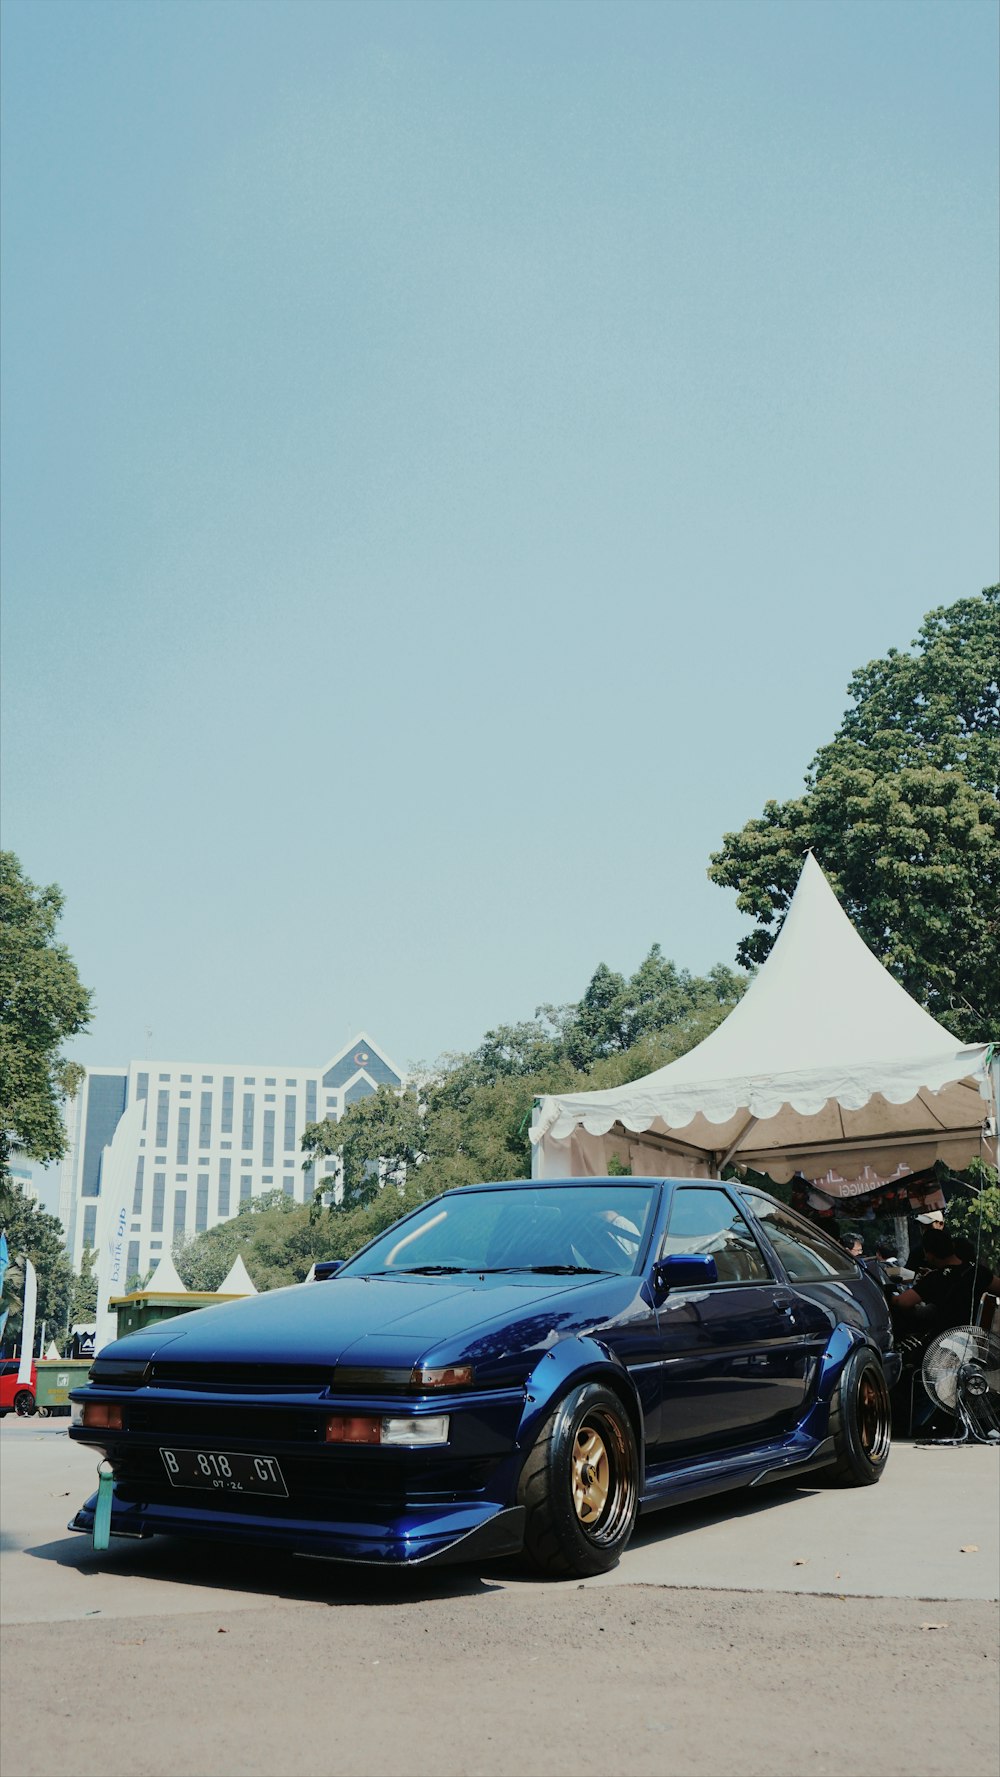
214,1134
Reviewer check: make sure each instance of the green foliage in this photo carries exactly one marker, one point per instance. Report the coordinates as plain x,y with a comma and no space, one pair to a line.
33,1233
901,810
978,1217
616,1013
377,1140
83,1308
276,1237
42,1002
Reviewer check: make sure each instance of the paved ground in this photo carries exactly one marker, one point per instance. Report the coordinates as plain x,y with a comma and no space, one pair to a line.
789,1632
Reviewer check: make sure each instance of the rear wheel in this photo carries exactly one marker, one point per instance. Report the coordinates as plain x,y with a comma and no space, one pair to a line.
24,1403
860,1423
580,1485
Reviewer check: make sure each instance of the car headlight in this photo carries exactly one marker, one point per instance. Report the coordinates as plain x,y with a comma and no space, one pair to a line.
415,1430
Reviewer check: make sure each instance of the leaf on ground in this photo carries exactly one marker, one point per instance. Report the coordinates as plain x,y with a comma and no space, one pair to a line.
800,1561
969,1549
933,1625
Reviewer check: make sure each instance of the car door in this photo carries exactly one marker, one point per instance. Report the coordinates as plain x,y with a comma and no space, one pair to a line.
734,1363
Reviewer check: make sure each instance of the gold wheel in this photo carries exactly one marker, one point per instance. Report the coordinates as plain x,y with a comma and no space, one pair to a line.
874,1424
591,1475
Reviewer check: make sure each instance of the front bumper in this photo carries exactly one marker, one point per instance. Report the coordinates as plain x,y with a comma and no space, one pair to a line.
421,1536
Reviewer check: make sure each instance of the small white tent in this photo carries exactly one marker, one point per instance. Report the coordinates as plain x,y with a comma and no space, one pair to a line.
165,1280
237,1281
825,1065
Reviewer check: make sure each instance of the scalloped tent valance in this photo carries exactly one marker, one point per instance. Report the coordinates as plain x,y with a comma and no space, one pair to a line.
826,1063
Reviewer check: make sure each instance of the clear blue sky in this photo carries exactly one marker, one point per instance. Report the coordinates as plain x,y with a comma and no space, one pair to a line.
454,456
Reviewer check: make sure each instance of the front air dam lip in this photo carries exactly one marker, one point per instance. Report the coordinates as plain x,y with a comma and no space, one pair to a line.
500,1534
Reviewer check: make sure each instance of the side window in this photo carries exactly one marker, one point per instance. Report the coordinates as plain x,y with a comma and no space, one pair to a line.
804,1251
707,1221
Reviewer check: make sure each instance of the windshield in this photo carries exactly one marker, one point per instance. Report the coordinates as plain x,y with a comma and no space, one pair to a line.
553,1228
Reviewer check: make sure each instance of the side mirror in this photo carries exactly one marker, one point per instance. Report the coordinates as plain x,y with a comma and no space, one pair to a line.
328,1268
684,1271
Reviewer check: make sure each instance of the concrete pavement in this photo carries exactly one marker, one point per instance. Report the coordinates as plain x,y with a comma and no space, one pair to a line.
901,1539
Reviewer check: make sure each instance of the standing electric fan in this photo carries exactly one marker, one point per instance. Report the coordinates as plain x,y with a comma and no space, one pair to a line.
961,1373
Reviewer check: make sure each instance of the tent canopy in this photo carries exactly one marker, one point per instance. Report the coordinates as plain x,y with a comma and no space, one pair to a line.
826,1064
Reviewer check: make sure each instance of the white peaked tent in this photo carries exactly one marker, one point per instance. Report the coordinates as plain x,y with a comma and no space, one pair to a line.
826,1065
238,1281
165,1280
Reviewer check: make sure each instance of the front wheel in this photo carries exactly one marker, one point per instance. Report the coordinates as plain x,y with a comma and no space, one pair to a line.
860,1423
580,1485
24,1403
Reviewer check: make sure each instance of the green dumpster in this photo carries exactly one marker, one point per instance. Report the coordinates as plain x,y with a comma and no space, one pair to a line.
56,1376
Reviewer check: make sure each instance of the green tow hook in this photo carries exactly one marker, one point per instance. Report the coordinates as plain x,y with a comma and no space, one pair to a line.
102,1511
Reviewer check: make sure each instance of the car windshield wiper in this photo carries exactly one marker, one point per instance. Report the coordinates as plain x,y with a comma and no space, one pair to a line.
426,1270
550,1270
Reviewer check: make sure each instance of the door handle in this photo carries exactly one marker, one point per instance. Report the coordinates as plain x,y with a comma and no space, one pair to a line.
787,1305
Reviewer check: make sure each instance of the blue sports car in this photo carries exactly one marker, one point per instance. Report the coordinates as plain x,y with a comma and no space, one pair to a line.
518,1366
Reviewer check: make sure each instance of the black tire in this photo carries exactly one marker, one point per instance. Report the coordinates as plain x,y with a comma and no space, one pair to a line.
24,1403
860,1423
580,1485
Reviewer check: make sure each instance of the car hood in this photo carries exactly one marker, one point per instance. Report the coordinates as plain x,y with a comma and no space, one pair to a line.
364,1321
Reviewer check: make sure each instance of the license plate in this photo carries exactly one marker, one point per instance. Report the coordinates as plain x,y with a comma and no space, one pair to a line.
224,1471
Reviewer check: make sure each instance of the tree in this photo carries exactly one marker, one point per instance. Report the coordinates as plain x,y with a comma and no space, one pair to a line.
616,1013
34,1234
274,1234
377,1139
978,1217
42,1002
83,1307
901,810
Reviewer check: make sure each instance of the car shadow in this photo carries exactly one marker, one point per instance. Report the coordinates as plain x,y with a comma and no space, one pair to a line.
274,1573
307,1579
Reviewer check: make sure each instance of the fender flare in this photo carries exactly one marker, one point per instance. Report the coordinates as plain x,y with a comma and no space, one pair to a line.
567,1365
842,1341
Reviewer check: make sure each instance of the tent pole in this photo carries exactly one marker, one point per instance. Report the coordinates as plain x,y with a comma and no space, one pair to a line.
751,1123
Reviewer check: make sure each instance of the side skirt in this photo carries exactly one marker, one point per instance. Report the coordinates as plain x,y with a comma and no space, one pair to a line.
699,1477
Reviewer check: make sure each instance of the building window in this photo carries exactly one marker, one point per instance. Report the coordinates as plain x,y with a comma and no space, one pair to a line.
137,1192
142,1086
105,1104
89,1224
288,1184
185,1079
310,1101
246,1187
291,1082
162,1118
180,1212
270,1082
206,1080
164,1076
201,1204
226,1144
225,1180
227,1104
205,1121
249,1080
289,1122
267,1156
155,1246
159,1199
132,1268
248,1119
183,1134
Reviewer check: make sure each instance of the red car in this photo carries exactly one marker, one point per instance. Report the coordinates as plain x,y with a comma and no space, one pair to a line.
22,1399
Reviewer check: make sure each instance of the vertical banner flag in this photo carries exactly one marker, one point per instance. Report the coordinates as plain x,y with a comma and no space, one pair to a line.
28,1323
118,1165
4,1256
